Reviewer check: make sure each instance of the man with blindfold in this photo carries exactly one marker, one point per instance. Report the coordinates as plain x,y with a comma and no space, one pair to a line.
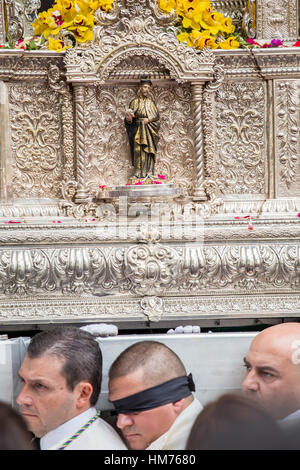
152,395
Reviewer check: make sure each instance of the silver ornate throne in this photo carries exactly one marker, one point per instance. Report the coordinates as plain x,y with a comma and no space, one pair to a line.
229,141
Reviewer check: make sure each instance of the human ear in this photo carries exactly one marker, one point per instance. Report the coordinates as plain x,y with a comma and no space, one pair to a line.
178,406
83,392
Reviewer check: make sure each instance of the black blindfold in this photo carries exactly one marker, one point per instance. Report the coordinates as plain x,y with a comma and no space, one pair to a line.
162,394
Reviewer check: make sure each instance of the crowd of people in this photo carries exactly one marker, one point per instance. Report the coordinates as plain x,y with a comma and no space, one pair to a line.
153,398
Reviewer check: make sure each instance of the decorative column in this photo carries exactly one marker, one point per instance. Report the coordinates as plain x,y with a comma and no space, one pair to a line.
2,23
82,194
4,138
197,96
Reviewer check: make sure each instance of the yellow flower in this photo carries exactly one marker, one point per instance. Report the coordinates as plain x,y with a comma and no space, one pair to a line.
81,20
212,21
167,5
83,34
106,5
182,37
40,23
203,39
227,26
54,22
62,5
189,23
87,6
192,9
230,43
56,45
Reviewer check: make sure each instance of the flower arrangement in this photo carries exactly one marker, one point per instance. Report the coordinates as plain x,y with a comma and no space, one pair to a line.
69,22
200,25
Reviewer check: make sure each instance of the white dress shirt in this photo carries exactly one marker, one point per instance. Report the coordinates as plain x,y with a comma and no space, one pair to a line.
98,436
176,437
291,417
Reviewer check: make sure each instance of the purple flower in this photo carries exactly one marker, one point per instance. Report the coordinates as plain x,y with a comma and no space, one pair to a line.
276,42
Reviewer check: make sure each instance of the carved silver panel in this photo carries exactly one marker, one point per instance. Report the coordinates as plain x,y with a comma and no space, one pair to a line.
149,270
240,131
35,170
287,136
277,19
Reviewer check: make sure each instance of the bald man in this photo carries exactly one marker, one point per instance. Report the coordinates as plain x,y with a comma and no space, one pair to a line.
273,370
152,394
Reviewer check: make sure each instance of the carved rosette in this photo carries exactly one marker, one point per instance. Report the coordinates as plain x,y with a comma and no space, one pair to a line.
151,268
153,308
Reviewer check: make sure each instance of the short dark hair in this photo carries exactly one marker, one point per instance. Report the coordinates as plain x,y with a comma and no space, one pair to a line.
157,360
79,350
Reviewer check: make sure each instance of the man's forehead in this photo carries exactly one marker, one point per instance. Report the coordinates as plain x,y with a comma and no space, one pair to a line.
128,384
280,345
269,354
42,365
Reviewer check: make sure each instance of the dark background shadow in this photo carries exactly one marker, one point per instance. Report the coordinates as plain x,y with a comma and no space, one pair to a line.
45,4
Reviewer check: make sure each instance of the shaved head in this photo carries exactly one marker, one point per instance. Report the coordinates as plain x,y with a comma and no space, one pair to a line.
273,369
142,366
157,362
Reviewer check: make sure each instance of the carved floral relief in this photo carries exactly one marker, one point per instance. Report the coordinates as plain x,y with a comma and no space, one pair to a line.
287,140
149,269
36,166
240,130
276,18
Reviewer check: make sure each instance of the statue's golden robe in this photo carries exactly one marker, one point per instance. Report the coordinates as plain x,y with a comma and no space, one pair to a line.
143,138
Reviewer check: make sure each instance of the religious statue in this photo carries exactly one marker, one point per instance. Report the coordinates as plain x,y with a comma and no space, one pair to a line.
142,125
